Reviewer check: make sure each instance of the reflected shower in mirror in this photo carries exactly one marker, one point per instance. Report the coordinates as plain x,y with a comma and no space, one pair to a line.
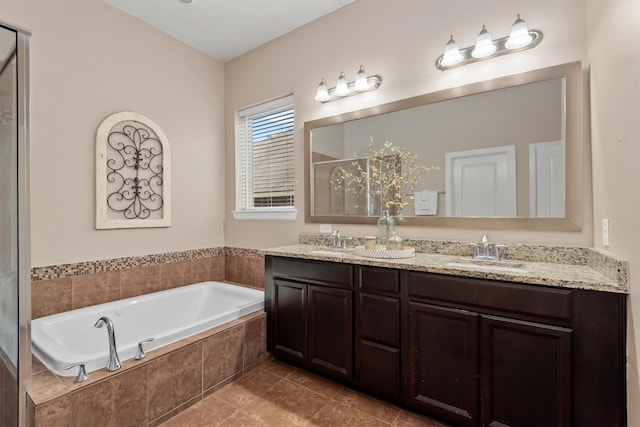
500,147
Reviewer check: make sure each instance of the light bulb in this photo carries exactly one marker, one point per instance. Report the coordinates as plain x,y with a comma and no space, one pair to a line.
484,45
362,83
452,55
342,87
322,94
519,36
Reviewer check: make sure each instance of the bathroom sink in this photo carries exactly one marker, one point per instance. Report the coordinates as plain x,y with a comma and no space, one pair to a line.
497,266
326,252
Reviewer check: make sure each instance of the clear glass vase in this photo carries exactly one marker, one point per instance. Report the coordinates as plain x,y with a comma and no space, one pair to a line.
386,228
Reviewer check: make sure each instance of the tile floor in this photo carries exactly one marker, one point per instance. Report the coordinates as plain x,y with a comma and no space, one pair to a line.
279,395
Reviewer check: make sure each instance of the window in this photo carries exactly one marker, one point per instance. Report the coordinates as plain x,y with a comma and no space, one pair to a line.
265,157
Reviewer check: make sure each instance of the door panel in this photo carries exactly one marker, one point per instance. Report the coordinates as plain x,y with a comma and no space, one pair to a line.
443,362
526,373
481,182
290,318
330,329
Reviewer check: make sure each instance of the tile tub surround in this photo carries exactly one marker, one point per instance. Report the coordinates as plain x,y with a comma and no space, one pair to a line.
150,391
66,287
570,267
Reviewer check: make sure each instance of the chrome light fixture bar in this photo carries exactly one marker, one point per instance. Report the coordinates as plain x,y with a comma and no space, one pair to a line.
362,83
518,40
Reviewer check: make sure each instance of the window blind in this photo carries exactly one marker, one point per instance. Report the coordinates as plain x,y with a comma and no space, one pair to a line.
266,151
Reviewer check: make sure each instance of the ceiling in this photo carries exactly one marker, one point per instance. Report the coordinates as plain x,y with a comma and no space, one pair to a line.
225,29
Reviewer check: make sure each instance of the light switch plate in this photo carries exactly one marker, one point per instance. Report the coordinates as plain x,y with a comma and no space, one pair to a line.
605,233
325,228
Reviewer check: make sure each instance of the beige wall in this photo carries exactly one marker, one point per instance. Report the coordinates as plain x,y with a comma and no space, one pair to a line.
614,43
400,41
89,60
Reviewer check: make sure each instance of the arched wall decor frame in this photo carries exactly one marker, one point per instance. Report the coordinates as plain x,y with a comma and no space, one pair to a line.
133,173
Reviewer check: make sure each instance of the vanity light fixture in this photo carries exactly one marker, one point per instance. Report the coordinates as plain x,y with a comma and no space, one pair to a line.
362,83
520,38
484,45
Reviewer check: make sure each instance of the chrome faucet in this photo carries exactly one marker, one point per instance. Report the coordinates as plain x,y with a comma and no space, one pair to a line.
339,241
114,361
485,250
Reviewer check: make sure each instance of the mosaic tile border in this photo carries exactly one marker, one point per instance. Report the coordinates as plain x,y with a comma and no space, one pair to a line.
243,252
116,264
609,265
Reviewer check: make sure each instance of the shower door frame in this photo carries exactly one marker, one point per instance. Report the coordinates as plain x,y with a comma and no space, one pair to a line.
24,217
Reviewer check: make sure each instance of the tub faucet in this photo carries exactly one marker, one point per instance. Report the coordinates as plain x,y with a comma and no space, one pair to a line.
114,362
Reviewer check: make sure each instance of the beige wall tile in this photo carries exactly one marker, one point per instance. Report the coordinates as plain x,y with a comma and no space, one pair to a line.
174,379
258,272
50,297
113,402
230,268
56,413
222,356
175,274
243,272
96,288
255,341
46,386
140,281
210,268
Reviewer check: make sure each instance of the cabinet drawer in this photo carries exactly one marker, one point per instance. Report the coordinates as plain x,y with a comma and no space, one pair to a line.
379,279
495,296
327,273
380,319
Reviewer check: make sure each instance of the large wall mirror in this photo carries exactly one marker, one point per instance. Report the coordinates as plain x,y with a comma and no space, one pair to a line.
507,153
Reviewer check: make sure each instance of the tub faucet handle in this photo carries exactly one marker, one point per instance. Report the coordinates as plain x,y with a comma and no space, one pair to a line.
140,354
82,371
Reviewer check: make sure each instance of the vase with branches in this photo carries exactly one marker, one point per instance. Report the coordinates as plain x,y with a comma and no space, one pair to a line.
391,173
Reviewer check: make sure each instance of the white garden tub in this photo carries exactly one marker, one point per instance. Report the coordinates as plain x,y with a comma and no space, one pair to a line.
167,316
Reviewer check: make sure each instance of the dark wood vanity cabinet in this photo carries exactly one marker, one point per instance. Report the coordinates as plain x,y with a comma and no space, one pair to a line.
484,352
310,314
465,351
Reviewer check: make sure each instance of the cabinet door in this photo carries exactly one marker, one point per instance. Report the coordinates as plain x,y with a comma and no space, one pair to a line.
379,369
289,310
331,330
379,318
526,373
377,350
443,362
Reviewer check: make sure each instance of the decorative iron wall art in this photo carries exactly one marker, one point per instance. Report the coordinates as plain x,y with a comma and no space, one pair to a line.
133,173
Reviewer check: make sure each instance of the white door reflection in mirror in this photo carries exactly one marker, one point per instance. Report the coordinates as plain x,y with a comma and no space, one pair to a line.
481,182
546,179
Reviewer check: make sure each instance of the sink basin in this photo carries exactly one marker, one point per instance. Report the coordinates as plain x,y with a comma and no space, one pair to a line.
326,252
516,268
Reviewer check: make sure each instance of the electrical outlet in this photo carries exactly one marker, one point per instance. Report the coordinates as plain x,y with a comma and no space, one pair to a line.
605,233
325,228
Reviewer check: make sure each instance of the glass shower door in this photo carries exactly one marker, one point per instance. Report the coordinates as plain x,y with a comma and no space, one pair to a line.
9,328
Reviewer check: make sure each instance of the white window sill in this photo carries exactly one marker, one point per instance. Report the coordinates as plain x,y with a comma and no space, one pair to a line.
274,214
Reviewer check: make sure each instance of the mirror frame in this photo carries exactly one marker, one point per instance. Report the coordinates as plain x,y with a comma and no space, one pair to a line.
574,154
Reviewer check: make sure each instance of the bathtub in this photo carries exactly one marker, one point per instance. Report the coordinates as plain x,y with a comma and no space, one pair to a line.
167,316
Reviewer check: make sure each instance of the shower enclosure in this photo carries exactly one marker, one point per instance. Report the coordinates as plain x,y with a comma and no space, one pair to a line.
15,307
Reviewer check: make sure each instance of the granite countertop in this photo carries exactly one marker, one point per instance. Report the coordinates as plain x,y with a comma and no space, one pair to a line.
514,270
